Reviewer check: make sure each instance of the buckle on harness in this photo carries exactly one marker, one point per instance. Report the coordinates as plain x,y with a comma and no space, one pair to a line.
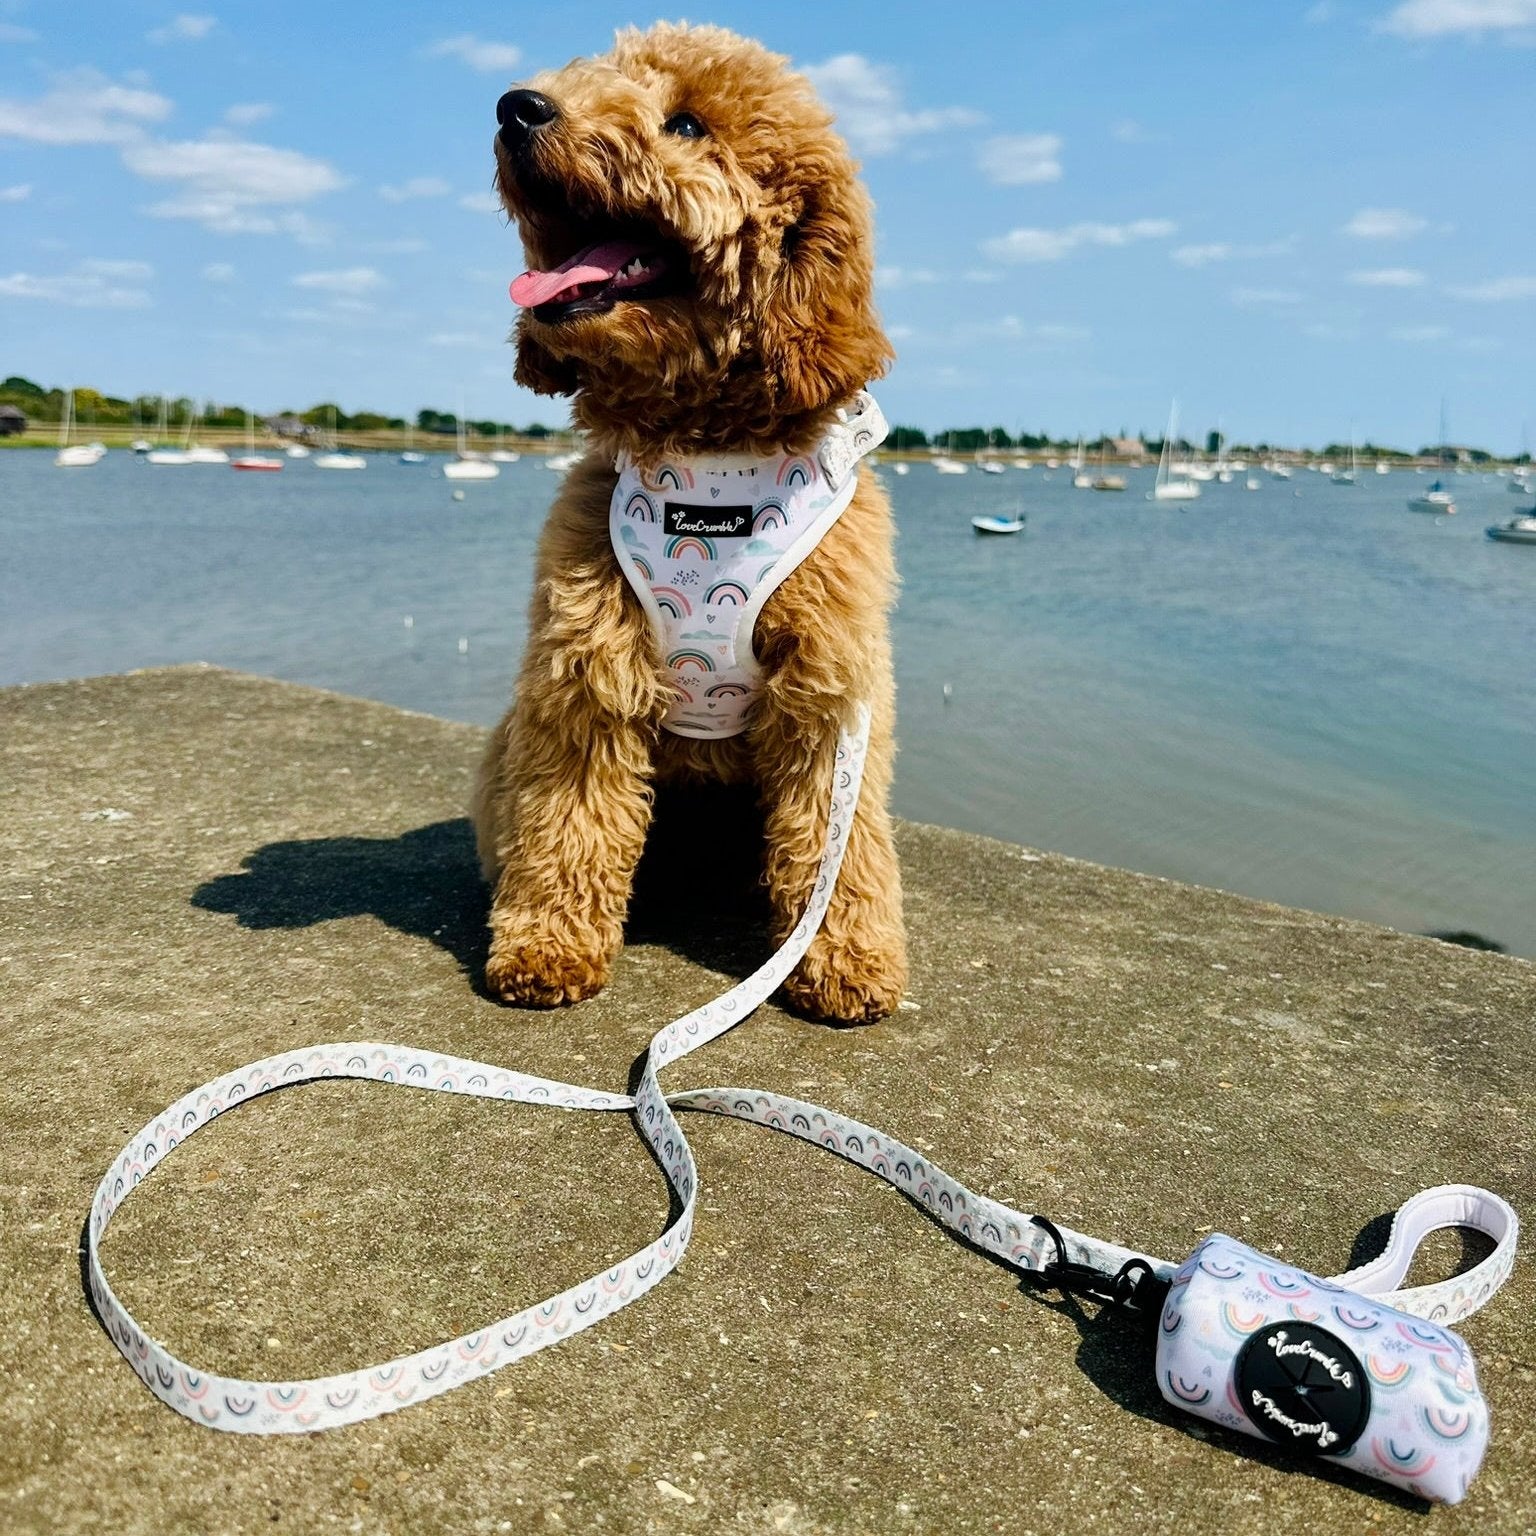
1134,1287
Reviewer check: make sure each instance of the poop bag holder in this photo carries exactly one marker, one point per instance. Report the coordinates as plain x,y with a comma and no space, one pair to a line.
1341,1369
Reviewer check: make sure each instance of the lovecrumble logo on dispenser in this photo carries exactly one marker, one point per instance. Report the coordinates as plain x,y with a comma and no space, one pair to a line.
1303,1387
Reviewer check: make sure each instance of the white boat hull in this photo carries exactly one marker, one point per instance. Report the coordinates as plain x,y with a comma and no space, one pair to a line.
1176,490
997,525
470,469
340,461
166,456
80,456
1436,505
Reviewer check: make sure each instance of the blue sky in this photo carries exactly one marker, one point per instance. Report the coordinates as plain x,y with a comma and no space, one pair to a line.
1292,216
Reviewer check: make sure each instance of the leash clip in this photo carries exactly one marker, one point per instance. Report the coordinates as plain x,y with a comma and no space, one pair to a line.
1134,1287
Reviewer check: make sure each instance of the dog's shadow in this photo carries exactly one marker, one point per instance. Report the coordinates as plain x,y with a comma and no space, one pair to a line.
697,890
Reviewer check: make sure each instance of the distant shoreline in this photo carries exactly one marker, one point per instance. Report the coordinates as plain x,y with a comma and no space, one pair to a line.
396,440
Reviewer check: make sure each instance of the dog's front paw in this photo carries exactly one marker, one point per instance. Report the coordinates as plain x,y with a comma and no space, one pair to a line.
538,973
845,985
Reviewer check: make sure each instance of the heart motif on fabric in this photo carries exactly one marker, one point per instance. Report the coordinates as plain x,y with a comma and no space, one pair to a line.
714,490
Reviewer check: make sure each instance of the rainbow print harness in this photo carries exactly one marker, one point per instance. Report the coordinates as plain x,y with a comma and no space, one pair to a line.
706,541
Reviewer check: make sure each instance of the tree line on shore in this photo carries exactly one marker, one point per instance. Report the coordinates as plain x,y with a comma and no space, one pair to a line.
42,406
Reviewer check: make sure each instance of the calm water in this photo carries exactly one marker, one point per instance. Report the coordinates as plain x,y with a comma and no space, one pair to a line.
1304,693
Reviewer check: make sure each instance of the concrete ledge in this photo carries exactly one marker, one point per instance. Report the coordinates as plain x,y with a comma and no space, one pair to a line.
201,868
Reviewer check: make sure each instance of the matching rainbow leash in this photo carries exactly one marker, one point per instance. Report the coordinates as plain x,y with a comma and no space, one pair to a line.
1350,1368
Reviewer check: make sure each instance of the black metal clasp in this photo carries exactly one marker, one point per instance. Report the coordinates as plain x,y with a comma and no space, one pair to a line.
1134,1287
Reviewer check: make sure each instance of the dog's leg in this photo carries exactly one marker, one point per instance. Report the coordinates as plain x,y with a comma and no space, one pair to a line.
564,796
856,967
573,823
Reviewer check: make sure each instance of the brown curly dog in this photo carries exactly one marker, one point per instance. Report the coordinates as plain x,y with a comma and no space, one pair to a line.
700,283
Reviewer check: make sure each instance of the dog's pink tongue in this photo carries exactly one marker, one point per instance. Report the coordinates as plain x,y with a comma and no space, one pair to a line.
596,264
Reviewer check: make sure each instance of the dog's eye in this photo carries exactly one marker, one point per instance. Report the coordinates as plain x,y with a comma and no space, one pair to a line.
685,125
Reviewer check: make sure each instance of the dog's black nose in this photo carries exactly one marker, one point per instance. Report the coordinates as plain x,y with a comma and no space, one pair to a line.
520,113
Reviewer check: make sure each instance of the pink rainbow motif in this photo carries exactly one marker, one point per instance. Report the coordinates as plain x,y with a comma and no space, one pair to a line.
1187,1392
700,662
1446,1425
796,471
1285,1284
672,601
769,515
1387,1375
669,477
1408,1463
1237,1324
729,594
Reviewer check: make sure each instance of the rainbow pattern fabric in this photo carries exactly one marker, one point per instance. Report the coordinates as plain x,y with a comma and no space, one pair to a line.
706,541
1417,1417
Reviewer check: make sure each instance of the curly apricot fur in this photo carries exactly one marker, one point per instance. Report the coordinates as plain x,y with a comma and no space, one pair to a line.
778,331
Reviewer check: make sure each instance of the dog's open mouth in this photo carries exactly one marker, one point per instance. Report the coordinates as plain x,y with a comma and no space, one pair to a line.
616,270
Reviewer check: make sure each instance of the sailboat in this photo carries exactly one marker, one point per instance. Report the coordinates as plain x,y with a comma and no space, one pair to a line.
1436,500
334,457
1168,487
197,453
163,452
1104,481
250,459
76,455
1348,476
946,465
412,454
501,454
465,465
1081,479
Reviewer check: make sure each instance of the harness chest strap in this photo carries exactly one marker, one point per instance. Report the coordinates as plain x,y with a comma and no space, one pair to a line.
296,1407
705,542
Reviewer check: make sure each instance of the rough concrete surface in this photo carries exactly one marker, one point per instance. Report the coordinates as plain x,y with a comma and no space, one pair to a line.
1142,1060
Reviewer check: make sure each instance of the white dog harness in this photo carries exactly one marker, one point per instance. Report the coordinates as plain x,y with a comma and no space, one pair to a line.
706,541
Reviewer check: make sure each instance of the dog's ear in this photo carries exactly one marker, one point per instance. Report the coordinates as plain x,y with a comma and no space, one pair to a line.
818,334
540,370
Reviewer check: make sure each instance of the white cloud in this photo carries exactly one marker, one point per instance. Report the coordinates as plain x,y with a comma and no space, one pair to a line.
488,58
1420,333
219,272
17,194
350,282
1385,224
1251,298
465,340
1316,15
866,100
80,289
244,113
124,271
10,33
1221,250
1054,244
1128,131
230,185
417,186
82,107
1496,290
184,29
481,202
1020,159
1444,18
1389,277
906,277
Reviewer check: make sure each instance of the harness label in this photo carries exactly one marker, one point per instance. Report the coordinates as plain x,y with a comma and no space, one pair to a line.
714,522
